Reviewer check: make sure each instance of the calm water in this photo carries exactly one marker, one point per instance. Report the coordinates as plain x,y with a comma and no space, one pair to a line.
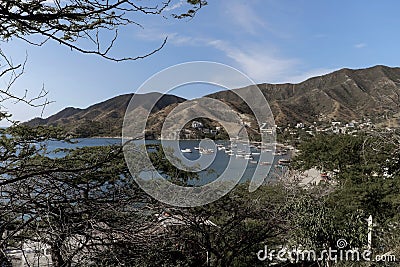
219,159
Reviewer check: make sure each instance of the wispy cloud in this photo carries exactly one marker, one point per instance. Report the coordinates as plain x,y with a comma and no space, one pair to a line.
245,17
265,65
360,45
259,63
262,63
300,77
173,37
175,6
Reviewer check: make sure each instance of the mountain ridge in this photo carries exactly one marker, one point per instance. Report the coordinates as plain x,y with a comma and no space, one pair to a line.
104,118
344,95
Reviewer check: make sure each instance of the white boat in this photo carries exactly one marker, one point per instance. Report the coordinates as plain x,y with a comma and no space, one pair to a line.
206,151
240,156
254,161
186,150
284,162
255,153
248,157
196,148
221,148
265,163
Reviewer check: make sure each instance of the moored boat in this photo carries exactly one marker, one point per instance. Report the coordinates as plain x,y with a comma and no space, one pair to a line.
206,151
284,162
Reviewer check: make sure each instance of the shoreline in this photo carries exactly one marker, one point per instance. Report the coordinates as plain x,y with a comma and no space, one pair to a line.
100,137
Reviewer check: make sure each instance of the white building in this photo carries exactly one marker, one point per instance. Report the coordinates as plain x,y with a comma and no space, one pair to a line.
32,254
197,124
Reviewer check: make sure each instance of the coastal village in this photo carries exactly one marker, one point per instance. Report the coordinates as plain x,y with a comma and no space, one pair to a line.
196,133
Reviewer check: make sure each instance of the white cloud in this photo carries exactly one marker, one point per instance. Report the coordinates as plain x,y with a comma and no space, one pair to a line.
297,78
360,45
180,40
260,63
173,37
264,64
175,6
245,17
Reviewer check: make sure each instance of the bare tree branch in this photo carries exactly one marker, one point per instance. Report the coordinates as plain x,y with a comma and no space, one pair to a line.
11,73
68,21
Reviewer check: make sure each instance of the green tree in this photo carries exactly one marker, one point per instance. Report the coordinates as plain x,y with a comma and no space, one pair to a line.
366,181
81,202
230,231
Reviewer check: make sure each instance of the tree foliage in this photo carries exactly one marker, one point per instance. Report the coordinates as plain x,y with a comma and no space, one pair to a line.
80,202
85,205
365,175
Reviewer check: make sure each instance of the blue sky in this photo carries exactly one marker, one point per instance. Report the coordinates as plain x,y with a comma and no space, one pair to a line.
271,41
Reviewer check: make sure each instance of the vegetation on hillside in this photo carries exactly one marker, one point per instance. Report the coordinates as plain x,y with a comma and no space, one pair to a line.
85,205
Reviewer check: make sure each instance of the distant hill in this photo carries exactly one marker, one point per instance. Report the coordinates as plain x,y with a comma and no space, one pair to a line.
105,118
343,95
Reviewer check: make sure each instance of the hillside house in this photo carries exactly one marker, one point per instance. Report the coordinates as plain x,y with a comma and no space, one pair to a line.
197,125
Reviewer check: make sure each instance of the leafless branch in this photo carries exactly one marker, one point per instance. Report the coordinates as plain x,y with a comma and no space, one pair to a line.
67,22
11,73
